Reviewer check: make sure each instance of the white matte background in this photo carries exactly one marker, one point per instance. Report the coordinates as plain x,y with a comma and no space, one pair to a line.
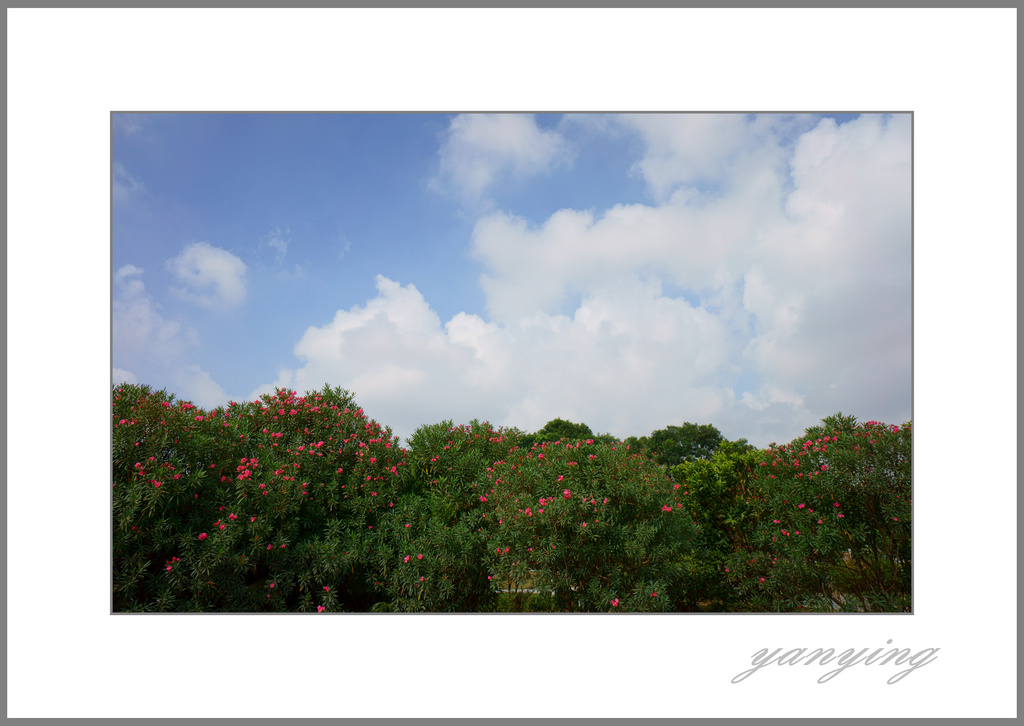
68,69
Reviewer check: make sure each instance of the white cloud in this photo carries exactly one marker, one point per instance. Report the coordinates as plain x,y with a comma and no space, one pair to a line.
120,376
709,150
129,124
277,241
778,298
482,149
624,344
273,247
211,277
156,349
124,186
139,330
192,383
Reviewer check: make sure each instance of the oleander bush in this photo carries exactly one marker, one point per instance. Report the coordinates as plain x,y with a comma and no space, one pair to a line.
831,528
431,555
594,527
304,504
264,506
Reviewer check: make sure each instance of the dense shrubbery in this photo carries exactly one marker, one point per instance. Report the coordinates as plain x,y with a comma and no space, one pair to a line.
301,503
831,521
594,526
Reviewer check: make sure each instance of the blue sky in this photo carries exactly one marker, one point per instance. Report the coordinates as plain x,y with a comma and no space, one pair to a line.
627,271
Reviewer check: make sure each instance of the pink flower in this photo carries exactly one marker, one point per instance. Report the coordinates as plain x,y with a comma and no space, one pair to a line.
560,477
566,494
666,508
202,536
419,557
407,558
483,499
320,608
326,588
615,603
799,506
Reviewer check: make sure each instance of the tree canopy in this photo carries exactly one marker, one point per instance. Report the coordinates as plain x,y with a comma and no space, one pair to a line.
559,429
673,445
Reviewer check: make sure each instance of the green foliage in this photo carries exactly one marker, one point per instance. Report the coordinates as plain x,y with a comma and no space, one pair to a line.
717,496
833,521
264,506
593,527
301,503
674,445
431,555
559,429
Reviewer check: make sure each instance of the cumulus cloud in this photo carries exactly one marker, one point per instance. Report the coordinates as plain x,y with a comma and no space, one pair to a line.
139,330
121,376
149,347
761,294
710,151
197,386
481,149
408,369
209,277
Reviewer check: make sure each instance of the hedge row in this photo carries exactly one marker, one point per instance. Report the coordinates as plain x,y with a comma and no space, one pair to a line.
303,504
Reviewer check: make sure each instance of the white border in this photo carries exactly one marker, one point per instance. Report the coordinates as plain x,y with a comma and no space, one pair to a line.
67,69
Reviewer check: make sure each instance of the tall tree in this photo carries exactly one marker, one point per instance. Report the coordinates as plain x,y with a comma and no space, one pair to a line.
559,429
673,445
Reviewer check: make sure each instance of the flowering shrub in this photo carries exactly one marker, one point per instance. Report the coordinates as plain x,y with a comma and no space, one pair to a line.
302,503
286,490
833,523
431,555
593,527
